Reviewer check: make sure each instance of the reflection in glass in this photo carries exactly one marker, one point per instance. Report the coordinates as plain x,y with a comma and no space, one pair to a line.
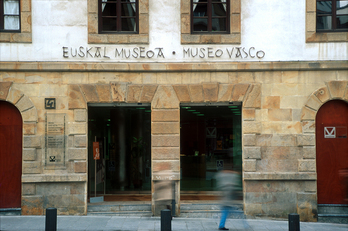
200,24
200,10
219,9
342,7
109,24
109,9
324,22
128,9
128,24
219,24
342,22
324,7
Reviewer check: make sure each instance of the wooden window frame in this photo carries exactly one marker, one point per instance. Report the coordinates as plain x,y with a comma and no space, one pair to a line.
210,19
118,18
233,37
312,35
142,37
24,35
333,15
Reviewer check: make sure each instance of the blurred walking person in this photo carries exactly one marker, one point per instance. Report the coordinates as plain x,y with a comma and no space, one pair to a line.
228,183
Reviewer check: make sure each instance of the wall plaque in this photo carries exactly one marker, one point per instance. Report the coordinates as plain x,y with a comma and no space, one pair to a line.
50,103
55,140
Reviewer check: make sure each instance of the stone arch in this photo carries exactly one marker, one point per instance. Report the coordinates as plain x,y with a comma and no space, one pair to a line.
22,102
31,141
307,140
331,90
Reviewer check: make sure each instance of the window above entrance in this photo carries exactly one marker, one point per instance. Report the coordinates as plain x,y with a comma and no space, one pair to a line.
210,16
118,16
118,21
210,22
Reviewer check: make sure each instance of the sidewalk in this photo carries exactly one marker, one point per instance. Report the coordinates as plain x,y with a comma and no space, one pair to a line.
114,223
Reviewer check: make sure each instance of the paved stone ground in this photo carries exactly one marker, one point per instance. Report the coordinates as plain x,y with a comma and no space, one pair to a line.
115,223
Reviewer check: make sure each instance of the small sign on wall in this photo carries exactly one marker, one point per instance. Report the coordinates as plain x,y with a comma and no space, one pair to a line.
335,132
329,132
50,103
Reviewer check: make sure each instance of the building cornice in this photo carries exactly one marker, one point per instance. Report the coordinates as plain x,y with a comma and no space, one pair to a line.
173,67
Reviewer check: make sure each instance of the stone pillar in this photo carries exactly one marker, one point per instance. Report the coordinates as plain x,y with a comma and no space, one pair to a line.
165,143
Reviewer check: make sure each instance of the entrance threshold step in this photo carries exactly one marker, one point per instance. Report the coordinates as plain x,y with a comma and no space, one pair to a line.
114,207
122,213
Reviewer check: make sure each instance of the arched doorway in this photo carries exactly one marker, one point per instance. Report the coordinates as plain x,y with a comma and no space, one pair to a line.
332,151
10,156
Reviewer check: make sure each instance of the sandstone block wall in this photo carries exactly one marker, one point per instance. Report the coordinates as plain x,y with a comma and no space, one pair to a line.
279,100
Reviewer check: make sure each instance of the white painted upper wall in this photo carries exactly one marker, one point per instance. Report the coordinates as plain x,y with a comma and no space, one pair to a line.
273,26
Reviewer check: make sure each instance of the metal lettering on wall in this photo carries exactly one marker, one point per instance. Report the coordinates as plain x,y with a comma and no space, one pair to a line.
233,53
55,139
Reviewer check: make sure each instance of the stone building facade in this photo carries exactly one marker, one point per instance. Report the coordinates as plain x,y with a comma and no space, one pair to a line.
280,93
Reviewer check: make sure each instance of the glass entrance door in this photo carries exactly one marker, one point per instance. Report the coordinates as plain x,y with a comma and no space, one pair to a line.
210,140
124,137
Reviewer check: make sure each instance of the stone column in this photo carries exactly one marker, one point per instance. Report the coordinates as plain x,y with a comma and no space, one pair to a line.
165,144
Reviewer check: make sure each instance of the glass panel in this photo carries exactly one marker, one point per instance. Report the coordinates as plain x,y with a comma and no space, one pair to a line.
200,10
324,22
109,24
124,136
342,22
219,24
324,7
219,9
200,24
342,7
11,23
128,9
109,9
128,24
11,7
209,142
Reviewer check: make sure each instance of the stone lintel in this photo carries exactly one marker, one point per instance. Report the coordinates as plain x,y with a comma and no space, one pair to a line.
279,176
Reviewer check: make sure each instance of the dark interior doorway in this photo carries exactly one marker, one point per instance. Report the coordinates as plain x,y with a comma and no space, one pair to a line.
210,140
124,136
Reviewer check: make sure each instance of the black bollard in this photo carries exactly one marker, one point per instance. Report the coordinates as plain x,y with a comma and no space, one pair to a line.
51,219
294,222
166,220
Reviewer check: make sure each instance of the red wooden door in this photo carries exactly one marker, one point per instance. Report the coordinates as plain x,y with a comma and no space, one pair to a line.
332,151
10,156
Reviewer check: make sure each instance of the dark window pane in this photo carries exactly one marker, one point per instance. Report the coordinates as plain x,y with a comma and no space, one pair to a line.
324,7
219,9
342,7
109,24
128,9
342,22
128,24
109,9
200,10
200,24
219,24
324,22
